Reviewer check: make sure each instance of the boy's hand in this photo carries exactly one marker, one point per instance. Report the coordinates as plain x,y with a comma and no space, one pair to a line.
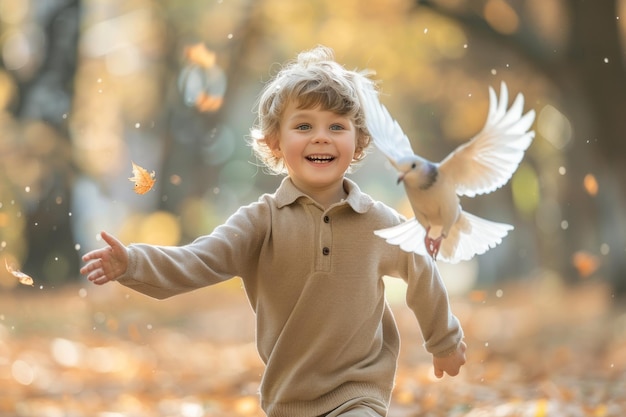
106,264
451,363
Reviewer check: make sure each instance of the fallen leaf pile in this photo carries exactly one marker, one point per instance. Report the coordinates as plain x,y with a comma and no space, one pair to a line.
534,350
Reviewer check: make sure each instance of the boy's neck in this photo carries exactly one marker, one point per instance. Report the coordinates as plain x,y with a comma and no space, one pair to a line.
325,196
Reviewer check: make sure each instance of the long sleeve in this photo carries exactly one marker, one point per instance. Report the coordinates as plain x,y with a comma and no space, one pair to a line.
427,297
231,250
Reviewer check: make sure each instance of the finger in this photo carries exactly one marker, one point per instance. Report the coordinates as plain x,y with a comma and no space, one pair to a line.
101,280
89,267
93,270
94,254
111,240
438,373
98,276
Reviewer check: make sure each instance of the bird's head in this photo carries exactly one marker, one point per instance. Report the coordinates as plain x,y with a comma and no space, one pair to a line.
417,172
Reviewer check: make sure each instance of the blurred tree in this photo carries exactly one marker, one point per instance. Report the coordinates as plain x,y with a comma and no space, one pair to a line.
589,73
208,68
136,91
43,69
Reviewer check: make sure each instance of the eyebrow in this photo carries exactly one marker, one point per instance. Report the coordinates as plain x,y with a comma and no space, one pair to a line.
304,113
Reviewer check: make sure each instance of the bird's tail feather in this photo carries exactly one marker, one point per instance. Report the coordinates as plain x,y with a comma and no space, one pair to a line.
470,236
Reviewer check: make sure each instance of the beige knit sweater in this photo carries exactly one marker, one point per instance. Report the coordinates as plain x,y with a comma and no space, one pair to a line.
314,279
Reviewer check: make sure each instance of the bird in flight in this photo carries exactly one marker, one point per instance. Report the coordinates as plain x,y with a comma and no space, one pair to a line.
441,228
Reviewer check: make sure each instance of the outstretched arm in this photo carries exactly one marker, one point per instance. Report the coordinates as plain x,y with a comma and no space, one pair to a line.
106,264
451,363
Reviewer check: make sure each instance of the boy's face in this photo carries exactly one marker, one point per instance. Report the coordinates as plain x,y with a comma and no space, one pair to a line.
317,146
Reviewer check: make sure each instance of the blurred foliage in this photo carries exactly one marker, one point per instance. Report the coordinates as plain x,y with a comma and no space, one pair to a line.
536,348
87,86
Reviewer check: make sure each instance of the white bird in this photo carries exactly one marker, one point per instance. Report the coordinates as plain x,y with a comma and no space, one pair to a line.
441,228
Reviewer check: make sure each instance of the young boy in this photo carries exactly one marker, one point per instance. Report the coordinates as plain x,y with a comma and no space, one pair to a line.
311,265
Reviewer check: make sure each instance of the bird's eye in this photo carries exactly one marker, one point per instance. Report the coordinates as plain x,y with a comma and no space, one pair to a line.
413,165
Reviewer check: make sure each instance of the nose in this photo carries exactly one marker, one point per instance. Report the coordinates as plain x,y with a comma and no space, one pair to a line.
320,136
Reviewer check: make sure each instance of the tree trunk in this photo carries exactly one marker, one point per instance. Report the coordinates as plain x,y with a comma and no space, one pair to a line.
597,58
46,97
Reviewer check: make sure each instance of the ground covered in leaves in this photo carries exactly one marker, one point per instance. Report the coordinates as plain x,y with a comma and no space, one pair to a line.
536,348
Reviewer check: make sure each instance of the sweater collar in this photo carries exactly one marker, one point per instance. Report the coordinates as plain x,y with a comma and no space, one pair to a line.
287,193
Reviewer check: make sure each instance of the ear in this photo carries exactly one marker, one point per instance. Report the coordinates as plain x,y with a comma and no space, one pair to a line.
278,154
274,144
361,144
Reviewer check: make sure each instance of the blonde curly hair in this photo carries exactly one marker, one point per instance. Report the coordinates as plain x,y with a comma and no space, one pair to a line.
313,80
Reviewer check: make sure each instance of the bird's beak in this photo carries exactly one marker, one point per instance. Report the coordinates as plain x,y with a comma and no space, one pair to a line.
400,178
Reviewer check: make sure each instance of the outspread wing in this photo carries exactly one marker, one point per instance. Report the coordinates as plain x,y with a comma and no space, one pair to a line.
408,235
490,158
386,133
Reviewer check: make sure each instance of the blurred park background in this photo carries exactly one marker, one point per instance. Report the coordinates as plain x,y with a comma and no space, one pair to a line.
88,86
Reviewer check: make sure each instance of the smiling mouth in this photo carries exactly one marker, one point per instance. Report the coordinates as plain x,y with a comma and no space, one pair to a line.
320,159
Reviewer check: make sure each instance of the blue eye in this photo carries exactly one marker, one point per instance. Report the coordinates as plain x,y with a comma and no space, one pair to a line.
303,127
336,127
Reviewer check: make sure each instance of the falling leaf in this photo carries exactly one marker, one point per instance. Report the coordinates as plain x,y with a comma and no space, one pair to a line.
22,277
143,180
208,103
202,85
591,184
199,54
585,263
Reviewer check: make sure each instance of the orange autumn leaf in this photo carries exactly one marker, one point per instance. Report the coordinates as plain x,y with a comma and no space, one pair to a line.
199,54
591,184
144,181
22,277
208,103
585,263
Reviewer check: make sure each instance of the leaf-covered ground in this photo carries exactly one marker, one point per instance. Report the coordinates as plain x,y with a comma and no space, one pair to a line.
535,349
